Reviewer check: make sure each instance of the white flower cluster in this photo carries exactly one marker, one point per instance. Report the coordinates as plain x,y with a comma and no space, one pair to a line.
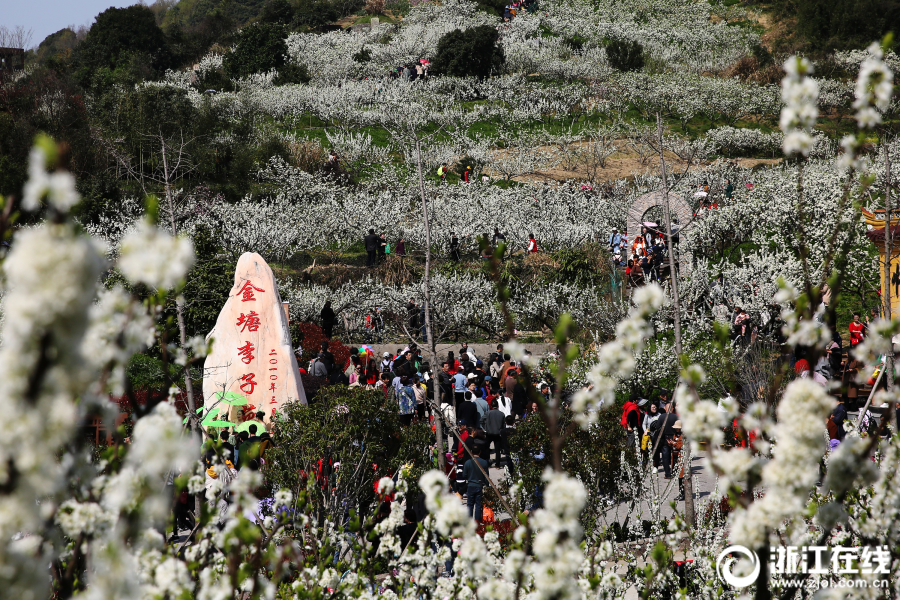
57,187
557,554
616,359
800,94
150,255
874,88
791,475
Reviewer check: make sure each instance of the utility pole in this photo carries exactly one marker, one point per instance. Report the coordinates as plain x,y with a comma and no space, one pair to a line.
673,277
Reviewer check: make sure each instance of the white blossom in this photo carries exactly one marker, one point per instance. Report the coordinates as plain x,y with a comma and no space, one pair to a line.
150,255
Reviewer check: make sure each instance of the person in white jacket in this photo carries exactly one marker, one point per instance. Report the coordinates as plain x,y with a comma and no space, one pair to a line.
504,405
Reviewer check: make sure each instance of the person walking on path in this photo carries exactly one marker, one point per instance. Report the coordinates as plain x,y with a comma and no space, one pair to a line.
476,481
328,319
454,247
371,242
631,421
494,424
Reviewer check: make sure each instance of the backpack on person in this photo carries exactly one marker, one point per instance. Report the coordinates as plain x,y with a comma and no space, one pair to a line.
832,428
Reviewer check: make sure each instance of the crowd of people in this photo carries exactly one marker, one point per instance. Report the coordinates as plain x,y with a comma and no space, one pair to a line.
511,10
481,401
654,430
378,247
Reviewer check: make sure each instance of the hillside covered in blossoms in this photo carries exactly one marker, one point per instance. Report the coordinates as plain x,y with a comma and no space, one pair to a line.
674,220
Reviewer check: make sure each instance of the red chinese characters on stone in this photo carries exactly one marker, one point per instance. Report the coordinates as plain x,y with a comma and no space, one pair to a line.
246,292
249,322
246,353
273,360
248,383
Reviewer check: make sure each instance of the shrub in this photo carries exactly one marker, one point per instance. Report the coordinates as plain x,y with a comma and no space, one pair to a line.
307,155
315,13
593,456
260,48
292,73
374,7
470,53
338,448
277,11
625,55
311,336
363,56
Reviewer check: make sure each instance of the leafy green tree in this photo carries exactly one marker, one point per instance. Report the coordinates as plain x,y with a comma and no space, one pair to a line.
261,47
277,11
360,430
594,456
59,46
843,24
208,283
313,14
625,55
191,13
118,37
473,52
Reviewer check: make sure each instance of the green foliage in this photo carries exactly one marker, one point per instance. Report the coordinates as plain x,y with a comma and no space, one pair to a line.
122,39
762,55
363,56
13,174
292,73
59,46
145,373
190,42
470,53
491,7
577,265
23,116
575,42
468,161
357,428
208,285
315,13
828,25
625,55
278,12
189,14
594,456
260,48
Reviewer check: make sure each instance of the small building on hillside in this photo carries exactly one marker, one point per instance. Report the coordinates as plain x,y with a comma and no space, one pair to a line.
11,60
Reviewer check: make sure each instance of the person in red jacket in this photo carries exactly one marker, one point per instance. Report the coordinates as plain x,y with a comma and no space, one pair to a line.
532,244
631,419
857,330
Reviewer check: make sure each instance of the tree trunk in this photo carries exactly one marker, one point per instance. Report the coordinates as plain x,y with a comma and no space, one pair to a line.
179,301
193,423
432,344
888,255
676,305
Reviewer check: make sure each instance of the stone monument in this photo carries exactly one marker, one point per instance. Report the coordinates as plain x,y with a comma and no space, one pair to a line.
252,364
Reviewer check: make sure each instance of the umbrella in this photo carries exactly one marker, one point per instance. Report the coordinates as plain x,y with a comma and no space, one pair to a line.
245,426
232,398
650,224
210,420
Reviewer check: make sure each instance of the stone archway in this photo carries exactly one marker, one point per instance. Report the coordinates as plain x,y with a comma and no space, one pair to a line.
679,209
